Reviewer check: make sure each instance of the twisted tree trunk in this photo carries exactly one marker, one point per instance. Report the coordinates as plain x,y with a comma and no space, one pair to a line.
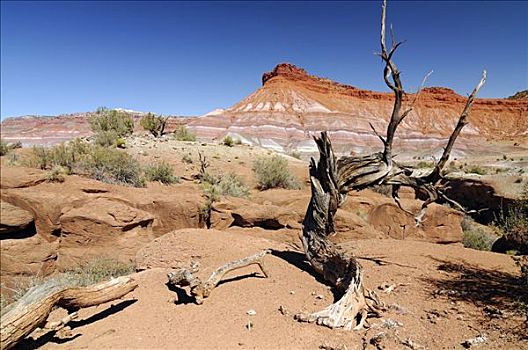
332,179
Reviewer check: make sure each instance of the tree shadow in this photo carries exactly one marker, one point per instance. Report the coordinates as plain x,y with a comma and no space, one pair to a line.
479,286
182,296
51,337
103,314
298,260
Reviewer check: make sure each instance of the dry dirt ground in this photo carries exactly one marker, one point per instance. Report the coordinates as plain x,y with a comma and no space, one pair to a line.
443,295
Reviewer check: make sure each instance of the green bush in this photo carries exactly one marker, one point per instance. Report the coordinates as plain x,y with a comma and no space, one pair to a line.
228,141
476,237
3,148
187,159
216,186
56,174
109,125
424,164
182,134
113,166
476,170
67,155
162,172
109,165
106,138
513,223
155,124
105,119
296,154
41,157
273,172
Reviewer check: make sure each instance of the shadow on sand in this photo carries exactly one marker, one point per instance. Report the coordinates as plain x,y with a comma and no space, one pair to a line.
51,337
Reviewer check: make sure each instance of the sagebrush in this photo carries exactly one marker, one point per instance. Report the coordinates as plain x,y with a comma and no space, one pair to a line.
183,134
162,172
273,172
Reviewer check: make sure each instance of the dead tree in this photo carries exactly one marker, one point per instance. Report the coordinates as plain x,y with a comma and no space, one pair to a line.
31,311
331,180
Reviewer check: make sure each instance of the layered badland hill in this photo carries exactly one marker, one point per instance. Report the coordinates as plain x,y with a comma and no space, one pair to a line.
292,105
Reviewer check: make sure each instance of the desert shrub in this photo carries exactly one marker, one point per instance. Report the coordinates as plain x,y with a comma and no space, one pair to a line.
296,154
41,157
155,124
513,223
273,172
105,119
232,185
477,170
106,138
109,125
162,172
216,186
98,270
120,142
187,159
56,174
67,155
183,134
228,141
13,159
113,166
424,164
475,237
3,148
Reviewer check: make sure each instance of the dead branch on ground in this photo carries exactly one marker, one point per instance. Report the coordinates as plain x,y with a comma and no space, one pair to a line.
31,311
184,277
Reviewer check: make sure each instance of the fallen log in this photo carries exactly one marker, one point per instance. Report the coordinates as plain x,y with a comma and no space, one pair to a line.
184,277
19,319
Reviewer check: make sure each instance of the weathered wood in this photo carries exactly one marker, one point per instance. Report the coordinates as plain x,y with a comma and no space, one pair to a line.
331,179
184,277
19,319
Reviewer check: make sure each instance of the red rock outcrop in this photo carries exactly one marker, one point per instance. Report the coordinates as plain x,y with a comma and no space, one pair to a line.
365,215
48,226
292,105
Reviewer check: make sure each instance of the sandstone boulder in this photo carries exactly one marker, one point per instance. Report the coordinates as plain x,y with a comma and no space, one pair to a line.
18,177
13,218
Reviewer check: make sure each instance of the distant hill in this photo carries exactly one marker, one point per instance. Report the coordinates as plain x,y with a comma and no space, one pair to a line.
292,105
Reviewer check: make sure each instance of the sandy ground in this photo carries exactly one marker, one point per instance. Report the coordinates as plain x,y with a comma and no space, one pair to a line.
443,295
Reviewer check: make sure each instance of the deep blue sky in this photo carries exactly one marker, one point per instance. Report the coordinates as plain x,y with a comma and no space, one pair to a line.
188,58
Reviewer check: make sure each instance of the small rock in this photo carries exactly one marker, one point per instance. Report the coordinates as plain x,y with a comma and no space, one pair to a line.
251,312
292,292
319,296
283,310
474,341
249,325
390,324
